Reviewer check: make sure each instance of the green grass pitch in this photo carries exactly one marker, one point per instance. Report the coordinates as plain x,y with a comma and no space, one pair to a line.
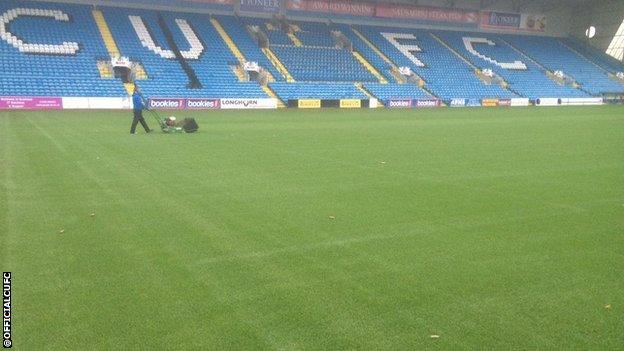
316,230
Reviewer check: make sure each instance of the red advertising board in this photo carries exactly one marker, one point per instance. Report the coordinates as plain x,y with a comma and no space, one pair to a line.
504,102
343,7
356,8
426,13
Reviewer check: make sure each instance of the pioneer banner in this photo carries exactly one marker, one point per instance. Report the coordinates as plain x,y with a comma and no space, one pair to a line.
513,22
30,103
500,20
260,6
423,13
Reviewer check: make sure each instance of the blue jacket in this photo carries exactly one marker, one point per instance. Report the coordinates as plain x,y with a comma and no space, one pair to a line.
137,101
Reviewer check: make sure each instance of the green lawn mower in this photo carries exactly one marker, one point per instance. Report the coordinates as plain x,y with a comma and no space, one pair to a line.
172,125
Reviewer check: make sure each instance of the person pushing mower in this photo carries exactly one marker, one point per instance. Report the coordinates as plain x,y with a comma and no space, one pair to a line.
169,125
138,106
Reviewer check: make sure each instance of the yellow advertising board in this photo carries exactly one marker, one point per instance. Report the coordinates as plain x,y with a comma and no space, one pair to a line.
309,103
489,102
350,103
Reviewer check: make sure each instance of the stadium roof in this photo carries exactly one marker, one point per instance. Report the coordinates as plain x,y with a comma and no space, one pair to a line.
518,5
545,4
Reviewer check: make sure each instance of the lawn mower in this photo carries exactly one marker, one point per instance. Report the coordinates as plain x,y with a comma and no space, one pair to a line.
172,125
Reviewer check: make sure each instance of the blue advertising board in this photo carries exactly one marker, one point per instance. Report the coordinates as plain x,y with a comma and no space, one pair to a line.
499,19
473,102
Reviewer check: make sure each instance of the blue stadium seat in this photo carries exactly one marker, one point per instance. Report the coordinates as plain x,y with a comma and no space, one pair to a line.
322,64
288,91
237,29
599,58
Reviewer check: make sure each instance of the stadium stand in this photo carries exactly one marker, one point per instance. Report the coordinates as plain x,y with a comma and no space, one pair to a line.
314,34
446,75
523,76
322,64
555,56
63,67
384,66
599,58
167,78
237,29
54,49
273,31
310,53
